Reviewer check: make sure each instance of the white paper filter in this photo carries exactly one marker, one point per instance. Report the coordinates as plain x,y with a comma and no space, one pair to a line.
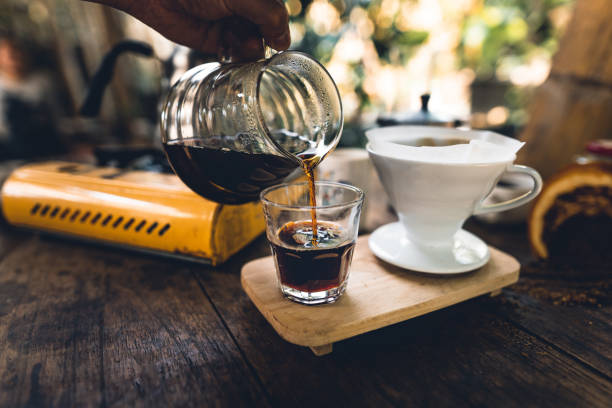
484,147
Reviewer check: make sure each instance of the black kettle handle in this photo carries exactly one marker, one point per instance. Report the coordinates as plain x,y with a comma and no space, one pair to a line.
104,74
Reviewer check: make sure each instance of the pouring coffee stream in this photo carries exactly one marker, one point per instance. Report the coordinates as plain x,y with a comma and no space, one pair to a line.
308,164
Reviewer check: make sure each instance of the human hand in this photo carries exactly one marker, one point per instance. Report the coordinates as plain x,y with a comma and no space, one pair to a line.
222,27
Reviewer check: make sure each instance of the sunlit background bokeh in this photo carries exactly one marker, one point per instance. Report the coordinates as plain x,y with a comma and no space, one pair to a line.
385,54
479,59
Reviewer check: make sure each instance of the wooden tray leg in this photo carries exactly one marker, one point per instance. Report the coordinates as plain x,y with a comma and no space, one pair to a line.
495,293
322,350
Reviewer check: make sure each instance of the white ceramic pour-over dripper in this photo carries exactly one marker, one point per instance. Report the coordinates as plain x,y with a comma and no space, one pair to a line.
435,189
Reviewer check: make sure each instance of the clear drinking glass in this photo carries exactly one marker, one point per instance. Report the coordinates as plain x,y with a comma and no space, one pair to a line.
309,270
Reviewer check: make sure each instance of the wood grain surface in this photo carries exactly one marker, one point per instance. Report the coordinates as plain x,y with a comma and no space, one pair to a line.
90,326
378,295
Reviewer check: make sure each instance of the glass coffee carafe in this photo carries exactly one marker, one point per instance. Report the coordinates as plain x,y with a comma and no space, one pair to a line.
231,130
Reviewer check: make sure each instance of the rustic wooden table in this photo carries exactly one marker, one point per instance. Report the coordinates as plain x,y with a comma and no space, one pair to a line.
84,325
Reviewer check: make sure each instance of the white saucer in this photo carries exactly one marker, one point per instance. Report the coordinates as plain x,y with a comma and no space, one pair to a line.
390,244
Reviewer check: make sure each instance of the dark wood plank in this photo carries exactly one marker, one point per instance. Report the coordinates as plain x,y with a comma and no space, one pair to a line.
85,326
468,351
570,314
462,356
10,237
581,331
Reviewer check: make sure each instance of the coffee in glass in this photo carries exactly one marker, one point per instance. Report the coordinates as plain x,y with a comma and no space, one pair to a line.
312,264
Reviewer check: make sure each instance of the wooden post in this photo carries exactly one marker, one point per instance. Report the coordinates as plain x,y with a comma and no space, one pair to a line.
574,105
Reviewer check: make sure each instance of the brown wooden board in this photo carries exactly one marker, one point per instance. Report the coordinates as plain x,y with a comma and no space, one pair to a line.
378,295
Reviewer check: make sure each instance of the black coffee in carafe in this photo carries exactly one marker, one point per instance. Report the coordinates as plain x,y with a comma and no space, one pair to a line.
223,173
227,176
231,130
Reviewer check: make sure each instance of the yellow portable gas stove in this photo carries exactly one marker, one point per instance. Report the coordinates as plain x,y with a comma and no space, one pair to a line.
142,210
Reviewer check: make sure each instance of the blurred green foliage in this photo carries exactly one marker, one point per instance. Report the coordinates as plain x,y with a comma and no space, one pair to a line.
495,38
391,43
508,31
503,41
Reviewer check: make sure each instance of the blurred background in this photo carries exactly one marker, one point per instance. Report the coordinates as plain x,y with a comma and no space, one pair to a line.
480,61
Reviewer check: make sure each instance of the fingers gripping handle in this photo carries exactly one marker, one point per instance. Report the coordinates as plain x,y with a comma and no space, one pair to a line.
236,32
517,201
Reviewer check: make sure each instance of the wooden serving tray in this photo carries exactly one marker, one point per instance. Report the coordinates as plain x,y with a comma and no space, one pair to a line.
378,295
